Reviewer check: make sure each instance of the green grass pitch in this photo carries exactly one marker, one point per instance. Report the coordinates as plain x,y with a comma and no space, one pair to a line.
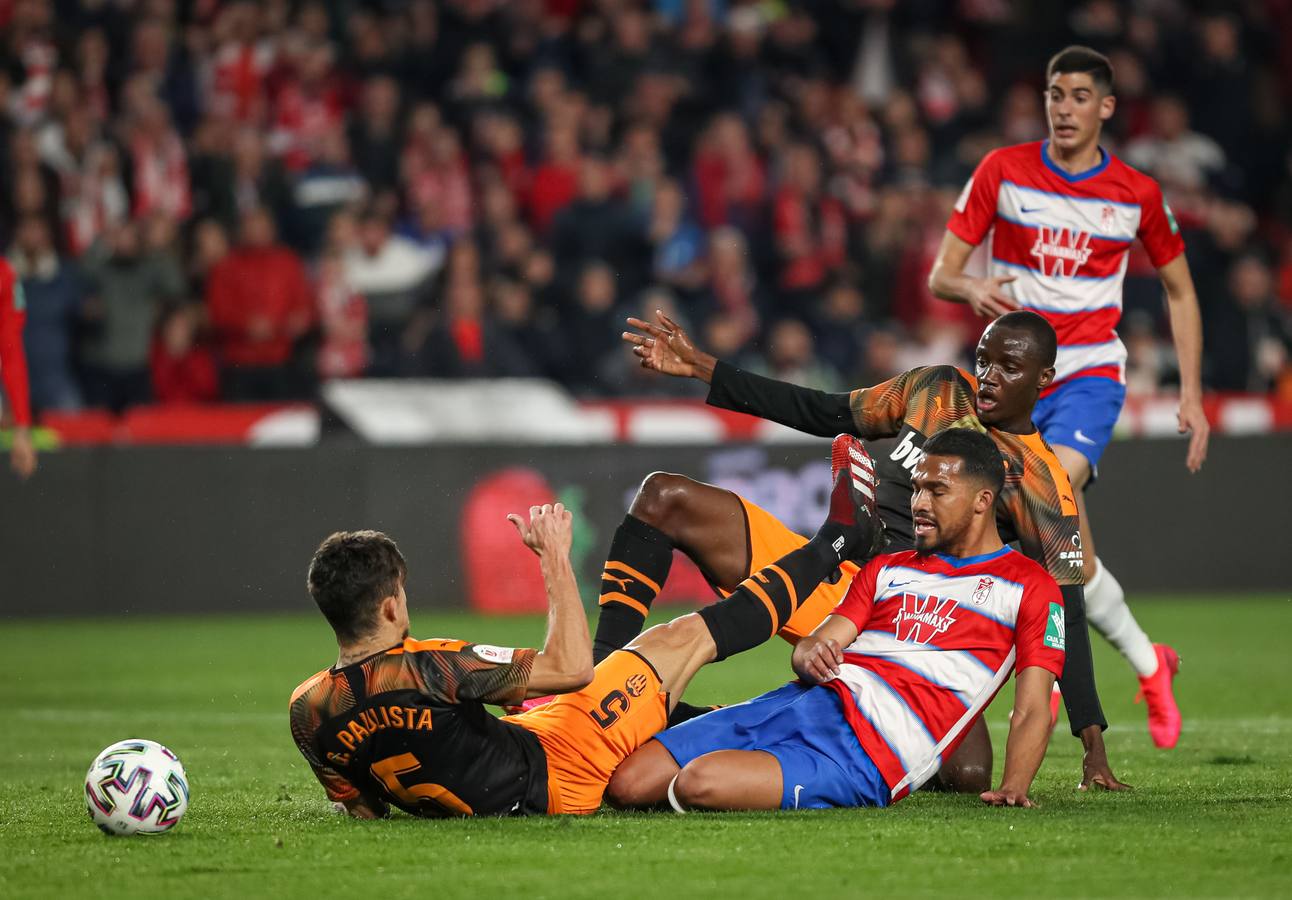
1211,818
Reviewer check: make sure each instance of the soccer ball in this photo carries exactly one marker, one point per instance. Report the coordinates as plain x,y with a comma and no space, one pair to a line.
136,787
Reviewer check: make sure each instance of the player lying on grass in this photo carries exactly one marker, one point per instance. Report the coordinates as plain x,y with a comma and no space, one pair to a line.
400,721
891,681
728,536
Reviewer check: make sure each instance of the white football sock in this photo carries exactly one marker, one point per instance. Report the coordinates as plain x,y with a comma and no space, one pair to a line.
1106,609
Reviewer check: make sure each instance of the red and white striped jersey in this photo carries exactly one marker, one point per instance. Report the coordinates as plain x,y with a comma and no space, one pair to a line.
938,638
1066,239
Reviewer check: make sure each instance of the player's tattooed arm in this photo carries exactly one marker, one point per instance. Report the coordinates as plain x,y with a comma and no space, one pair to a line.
565,662
1029,733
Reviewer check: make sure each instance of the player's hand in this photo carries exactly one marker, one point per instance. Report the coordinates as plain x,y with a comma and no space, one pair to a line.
1095,772
1006,797
987,296
666,348
22,456
816,660
1194,421
549,530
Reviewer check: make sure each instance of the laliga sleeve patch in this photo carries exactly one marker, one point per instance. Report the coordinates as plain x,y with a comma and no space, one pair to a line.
490,653
1170,218
1055,628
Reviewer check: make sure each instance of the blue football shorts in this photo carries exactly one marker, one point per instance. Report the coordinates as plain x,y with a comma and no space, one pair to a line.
1081,414
822,763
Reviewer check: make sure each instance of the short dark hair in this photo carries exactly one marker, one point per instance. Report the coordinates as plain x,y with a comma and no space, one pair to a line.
350,574
1082,59
1037,328
982,459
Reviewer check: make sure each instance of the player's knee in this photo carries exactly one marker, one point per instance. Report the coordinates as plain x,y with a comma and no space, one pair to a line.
634,785
699,784
966,778
686,634
663,500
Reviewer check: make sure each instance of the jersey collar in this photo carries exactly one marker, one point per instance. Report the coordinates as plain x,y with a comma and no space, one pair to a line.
1104,159
959,562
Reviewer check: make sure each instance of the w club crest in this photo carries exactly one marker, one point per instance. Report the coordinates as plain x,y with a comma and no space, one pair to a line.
921,619
1061,252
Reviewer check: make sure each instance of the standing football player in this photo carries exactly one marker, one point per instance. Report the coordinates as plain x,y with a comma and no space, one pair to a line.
13,370
1059,217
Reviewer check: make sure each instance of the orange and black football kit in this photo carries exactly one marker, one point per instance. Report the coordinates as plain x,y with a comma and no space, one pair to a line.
409,727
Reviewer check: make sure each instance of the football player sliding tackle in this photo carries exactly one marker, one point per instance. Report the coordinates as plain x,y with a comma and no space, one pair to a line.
729,537
402,722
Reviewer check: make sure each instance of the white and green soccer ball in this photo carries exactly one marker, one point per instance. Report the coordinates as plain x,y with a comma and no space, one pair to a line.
136,787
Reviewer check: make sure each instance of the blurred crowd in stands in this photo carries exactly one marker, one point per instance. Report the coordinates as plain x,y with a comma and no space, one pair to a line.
239,200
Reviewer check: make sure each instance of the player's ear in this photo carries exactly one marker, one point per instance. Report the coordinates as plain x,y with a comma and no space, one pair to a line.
1046,379
390,608
1107,106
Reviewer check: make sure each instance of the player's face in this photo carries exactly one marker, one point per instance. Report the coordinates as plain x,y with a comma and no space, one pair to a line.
1010,378
942,502
1076,110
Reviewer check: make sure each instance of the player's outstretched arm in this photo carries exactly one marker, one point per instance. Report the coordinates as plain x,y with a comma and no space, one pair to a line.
565,662
1186,332
665,347
947,280
1029,733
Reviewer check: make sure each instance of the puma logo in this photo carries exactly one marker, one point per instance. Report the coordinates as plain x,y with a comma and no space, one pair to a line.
622,582
937,403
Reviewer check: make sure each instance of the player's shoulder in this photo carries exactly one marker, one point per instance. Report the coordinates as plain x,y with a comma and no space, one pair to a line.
942,375
430,645
309,684
1015,160
1031,576
1140,184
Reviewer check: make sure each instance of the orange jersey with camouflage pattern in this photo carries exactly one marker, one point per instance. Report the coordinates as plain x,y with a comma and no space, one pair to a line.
1036,507
408,726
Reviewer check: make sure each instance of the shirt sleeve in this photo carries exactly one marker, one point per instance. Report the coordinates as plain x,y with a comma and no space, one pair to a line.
1042,511
879,411
858,603
975,209
458,672
1158,230
1041,629
803,409
304,728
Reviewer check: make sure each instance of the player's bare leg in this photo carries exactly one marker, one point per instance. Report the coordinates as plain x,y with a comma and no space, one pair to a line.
670,511
1106,610
730,780
725,779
